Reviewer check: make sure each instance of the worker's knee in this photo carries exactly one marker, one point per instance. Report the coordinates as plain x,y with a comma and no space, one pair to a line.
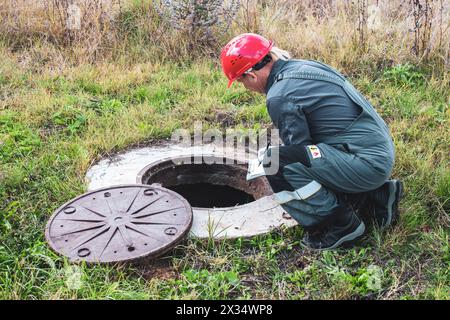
276,158
278,182
294,153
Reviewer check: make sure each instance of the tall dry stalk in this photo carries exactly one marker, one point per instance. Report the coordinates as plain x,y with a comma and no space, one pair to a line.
362,22
250,20
422,12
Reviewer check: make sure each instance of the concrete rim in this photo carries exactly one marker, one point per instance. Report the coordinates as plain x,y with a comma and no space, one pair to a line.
254,218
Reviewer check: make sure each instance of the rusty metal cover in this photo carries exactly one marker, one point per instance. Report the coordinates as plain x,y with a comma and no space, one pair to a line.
119,223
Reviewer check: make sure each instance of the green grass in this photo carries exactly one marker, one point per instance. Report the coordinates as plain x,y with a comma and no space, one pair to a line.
52,127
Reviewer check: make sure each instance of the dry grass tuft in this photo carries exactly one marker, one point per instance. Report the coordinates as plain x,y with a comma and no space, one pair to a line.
358,36
86,27
361,35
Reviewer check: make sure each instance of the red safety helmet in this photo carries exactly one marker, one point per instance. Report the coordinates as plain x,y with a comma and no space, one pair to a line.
242,53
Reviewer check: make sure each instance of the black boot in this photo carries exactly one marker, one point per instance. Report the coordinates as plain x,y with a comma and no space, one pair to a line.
343,227
384,203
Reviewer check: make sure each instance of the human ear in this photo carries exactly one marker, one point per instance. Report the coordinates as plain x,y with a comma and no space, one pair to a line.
253,77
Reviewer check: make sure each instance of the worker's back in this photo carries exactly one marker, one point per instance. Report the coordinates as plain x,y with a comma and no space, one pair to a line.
310,102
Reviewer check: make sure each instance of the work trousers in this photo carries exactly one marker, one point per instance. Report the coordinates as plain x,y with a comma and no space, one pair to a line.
337,171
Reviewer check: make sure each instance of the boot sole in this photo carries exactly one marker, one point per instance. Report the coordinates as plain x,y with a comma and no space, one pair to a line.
395,194
359,231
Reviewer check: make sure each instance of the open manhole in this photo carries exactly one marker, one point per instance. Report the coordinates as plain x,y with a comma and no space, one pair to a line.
224,204
216,182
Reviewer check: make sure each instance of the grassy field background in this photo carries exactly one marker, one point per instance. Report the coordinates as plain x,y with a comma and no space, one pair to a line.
69,98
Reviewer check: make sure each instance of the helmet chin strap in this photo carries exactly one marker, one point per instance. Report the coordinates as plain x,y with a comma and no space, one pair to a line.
263,75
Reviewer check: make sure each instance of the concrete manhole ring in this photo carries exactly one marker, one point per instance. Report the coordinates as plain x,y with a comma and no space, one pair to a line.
159,164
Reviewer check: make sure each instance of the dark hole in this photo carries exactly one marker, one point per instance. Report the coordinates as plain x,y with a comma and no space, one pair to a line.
207,195
220,184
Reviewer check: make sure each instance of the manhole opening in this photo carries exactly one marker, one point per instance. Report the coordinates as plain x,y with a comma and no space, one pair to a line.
207,195
204,185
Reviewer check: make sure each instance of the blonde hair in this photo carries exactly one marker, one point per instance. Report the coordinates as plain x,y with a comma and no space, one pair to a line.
280,53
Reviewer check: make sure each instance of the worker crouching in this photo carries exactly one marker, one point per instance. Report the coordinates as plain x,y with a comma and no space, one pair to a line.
337,153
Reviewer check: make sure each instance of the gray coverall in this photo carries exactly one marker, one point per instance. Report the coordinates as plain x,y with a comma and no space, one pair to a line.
356,158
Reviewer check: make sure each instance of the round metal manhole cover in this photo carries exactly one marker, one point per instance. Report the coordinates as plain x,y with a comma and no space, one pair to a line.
120,223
